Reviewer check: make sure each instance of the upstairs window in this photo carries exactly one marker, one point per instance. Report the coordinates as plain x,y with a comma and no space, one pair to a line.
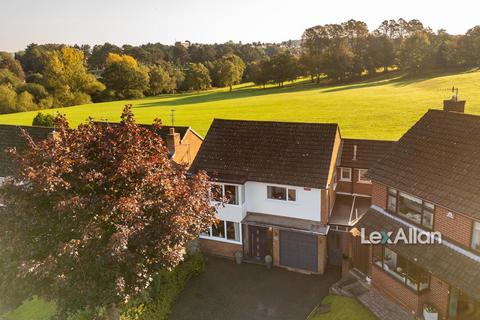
345,174
476,236
224,192
362,176
411,208
281,193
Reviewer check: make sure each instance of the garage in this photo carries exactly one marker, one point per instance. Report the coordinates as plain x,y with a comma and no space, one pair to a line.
299,250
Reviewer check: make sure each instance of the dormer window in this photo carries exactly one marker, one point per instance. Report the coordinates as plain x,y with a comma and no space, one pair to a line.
281,193
345,174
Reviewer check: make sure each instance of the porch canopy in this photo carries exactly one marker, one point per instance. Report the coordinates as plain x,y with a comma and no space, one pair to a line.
454,265
286,223
348,209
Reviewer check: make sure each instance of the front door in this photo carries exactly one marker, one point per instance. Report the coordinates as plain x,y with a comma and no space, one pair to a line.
335,248
260,242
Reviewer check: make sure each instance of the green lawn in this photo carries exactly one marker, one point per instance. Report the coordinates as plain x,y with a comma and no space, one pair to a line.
343,308
382,108
33,309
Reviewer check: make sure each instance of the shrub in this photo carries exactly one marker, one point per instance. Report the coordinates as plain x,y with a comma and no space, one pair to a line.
43,120
164,290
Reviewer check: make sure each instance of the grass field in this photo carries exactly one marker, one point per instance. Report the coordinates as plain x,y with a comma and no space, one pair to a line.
382,108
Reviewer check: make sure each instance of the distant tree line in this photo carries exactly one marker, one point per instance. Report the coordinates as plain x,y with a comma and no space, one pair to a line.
57,75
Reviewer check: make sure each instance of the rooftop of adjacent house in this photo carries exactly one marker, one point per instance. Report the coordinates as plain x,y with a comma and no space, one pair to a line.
446,261
11,137
363,153
162,132
438,159
290,153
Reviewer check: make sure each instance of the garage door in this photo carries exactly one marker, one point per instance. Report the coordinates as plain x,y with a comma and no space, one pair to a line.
298,250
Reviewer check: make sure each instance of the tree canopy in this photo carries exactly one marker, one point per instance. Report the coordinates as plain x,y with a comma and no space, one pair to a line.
90,214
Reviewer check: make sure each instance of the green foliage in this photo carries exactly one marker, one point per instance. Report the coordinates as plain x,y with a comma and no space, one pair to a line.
125,77
197,77
230,70
161,81
8,78
32,309
8,99
164,290
36,90
25,102
9,63
43,120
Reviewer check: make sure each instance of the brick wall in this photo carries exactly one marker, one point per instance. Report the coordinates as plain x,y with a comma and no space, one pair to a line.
458,228
353,186
395,290
437,296
219,248
379,194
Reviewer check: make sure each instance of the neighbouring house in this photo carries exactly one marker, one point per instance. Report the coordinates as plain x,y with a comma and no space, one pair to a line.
182,142
429,181
274,184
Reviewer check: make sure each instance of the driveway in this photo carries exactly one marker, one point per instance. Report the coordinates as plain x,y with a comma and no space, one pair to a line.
248,291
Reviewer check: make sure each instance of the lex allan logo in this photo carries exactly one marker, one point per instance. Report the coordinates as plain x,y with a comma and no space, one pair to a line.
406,236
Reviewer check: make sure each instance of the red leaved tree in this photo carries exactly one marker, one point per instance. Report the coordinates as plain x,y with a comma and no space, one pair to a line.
92,213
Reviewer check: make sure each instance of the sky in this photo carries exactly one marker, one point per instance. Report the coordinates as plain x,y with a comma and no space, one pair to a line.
208,21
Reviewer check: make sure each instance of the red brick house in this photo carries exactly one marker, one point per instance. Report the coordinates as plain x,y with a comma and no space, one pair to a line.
430,181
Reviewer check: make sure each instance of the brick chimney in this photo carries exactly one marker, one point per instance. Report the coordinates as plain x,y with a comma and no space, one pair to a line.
454,105
173,140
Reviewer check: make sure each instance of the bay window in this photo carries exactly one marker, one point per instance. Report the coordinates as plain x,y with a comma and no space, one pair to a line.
402,269
411,208
281,193
476,236
223,231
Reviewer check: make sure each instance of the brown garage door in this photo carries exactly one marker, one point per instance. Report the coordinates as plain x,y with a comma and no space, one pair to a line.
298,250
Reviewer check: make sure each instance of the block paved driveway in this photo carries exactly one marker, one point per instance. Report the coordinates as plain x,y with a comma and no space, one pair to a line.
247,291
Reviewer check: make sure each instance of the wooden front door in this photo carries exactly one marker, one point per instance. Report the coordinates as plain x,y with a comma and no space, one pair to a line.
260,242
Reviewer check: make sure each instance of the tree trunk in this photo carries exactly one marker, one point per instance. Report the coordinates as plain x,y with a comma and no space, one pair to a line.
230,88
112,312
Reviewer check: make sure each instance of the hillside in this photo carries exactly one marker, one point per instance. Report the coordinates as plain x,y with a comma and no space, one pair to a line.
382,108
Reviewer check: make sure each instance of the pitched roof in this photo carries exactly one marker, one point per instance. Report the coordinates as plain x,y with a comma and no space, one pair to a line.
368,152
441,260
288,153
11,137
438,159
162,132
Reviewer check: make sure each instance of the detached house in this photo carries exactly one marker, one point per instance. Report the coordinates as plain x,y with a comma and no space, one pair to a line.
279,179
430,181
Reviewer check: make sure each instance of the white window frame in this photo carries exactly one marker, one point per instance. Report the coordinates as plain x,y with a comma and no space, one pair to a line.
349,170
224,239
286,193
475,228
359,180
222,185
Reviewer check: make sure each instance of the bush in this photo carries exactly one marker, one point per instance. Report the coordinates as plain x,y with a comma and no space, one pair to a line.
164,290
43,120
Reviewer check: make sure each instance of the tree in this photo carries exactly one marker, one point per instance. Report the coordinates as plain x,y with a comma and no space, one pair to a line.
197,77
11,64
25,102
8,99
161,81
259,72
92,213
66,77
125,77
283,68
230,70
43,120
414,52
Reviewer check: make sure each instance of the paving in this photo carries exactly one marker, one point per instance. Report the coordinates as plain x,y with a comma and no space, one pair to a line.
248,291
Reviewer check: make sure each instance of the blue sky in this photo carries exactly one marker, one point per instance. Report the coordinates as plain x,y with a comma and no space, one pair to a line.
208,21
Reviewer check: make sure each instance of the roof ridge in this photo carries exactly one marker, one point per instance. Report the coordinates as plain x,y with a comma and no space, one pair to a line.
277,121
459,114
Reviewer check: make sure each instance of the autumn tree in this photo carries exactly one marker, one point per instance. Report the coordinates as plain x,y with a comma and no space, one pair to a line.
90,214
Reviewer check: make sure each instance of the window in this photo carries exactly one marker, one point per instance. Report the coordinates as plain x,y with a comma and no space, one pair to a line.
281,193
223,230
345,174
405,271
362,176
224,192
476,236
411,208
